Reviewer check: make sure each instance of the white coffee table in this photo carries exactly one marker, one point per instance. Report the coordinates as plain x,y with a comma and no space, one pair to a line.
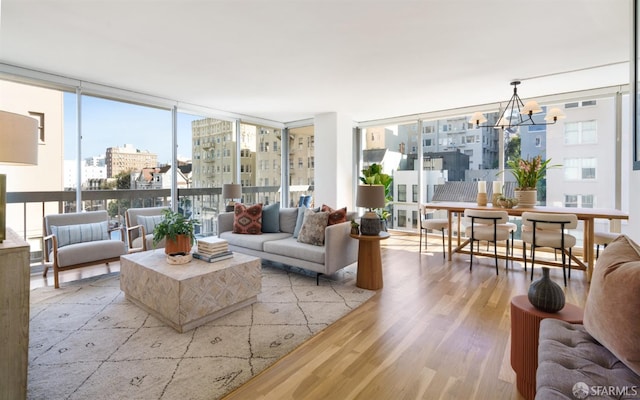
189,295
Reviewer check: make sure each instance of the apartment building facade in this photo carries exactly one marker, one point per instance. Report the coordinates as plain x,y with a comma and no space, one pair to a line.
128,158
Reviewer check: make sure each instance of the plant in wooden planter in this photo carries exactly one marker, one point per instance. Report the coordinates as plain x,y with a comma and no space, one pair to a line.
178,230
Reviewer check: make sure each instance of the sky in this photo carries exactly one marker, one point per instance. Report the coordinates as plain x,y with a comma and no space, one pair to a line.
107,123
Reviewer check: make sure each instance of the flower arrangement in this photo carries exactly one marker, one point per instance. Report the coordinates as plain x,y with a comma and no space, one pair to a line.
529,172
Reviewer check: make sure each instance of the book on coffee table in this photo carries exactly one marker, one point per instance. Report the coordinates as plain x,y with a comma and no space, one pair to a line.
212,246
213,258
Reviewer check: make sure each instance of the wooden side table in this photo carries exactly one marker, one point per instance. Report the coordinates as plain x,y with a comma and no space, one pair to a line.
369,260
525,326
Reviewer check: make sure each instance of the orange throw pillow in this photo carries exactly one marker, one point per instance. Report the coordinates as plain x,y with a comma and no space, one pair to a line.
335,216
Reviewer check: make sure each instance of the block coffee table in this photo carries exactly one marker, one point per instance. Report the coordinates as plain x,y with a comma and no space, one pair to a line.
189,295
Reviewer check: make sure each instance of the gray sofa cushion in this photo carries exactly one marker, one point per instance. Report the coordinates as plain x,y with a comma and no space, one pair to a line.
290,247
90,251
567,355
254,242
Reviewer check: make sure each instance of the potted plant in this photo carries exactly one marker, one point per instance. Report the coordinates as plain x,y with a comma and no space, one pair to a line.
178,231
528,173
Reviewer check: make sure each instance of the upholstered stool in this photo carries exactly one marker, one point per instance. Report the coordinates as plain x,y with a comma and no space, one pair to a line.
603,238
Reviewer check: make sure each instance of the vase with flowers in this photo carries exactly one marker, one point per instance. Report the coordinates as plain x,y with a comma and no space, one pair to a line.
528,173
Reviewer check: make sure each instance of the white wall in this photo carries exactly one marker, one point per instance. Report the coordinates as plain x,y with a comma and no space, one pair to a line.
334,161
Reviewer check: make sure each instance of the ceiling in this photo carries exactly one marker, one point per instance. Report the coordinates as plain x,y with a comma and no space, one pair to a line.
290,60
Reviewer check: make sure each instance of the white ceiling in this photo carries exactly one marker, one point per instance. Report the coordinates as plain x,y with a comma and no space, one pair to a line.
290,60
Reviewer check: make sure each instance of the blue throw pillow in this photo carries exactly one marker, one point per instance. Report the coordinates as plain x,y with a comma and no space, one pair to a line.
299,221
271,218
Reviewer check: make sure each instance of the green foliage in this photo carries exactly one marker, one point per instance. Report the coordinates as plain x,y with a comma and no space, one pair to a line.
374,176
123,180
529,172
513,149
172,225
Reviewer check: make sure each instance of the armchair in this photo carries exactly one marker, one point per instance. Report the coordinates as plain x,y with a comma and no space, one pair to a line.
76,240
140,223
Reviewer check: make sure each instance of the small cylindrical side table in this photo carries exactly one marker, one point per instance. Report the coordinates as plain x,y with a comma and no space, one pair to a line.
525,326
369,274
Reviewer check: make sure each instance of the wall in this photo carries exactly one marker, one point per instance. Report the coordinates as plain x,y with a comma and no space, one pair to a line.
48,174
334,180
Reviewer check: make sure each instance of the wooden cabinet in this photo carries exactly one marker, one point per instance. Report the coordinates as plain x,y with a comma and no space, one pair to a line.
14,316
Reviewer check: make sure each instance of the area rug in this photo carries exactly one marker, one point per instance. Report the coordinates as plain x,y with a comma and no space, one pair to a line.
88,342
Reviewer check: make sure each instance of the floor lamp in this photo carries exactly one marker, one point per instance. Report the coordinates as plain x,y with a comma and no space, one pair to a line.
18,146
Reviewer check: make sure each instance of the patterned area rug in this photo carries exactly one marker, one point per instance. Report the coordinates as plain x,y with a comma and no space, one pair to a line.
88,342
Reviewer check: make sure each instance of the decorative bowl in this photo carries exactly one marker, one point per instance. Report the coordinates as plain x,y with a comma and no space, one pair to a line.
508,202
179,258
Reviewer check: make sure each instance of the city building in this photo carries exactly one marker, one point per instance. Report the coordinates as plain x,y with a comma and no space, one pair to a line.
128,158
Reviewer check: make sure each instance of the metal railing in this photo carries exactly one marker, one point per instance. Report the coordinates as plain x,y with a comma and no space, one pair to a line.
203,204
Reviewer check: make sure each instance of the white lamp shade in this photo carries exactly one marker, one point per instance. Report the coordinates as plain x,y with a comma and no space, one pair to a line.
554,114
18,139
503,122
477,118
531,107
370,196
231,191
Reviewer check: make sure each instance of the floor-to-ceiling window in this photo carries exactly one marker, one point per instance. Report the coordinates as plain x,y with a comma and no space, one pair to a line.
205,164
124,146
301,165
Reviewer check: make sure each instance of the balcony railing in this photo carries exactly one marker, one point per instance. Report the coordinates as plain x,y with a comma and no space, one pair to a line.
27,209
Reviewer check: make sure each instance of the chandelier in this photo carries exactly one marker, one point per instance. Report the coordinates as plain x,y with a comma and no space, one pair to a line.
517,113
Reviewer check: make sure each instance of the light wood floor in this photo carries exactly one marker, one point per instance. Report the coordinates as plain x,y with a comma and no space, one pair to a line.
435,331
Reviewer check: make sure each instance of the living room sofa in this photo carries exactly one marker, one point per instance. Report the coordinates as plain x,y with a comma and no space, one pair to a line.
601,357
339,249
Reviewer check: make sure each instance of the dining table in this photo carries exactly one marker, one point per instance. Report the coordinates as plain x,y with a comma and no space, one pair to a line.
587,215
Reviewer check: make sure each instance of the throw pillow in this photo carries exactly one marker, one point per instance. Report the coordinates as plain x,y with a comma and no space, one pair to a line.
299,221
288,219
312,231
612,309
247,219
271,218
149,222
336,216
71,234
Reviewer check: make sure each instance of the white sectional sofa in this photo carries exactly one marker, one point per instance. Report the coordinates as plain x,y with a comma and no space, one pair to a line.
339,250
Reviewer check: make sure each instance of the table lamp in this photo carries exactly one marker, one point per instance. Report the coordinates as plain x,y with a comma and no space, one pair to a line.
18,146
231,191
370,196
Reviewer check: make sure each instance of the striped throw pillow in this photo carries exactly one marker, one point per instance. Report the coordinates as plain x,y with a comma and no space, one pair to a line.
70,234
